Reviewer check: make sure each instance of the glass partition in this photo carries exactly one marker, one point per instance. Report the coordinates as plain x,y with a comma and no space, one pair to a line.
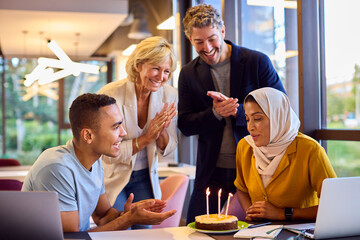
271,27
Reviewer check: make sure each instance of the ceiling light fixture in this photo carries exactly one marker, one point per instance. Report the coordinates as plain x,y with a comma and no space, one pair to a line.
44,71
139,28
168,24
129,50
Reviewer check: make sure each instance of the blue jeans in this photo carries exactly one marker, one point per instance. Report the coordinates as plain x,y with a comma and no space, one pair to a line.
140,185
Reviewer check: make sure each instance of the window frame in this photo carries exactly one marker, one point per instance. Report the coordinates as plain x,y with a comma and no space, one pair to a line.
312,82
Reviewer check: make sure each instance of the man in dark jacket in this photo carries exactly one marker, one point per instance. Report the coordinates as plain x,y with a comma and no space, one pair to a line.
212,88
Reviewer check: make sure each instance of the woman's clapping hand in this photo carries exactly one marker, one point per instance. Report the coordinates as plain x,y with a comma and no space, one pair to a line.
161,121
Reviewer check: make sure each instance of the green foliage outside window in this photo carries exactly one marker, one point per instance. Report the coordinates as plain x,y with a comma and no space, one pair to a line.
32,125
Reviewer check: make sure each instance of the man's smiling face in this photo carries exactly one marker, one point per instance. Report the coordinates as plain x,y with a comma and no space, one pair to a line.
208,42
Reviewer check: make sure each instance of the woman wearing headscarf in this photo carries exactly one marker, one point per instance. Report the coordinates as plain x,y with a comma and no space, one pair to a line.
279,170
148,106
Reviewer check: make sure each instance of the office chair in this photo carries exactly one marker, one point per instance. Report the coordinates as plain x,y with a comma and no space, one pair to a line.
4,162
235,208
10,185
173,189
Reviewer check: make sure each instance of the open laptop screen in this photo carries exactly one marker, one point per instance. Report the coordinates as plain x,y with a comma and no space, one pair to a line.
30,215
339,209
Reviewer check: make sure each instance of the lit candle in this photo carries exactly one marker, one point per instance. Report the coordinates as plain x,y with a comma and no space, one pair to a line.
207,201
228,202
219,202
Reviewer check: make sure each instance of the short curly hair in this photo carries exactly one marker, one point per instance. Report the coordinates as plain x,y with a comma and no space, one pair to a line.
199,16
84,111
153,50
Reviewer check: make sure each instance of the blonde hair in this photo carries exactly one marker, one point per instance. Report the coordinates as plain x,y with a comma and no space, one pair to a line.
199,16
153,50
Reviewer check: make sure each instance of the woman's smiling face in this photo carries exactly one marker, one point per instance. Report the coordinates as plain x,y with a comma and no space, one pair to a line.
153,76
258,124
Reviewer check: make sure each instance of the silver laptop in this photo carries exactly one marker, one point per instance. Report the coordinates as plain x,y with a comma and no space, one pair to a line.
339,210
30,215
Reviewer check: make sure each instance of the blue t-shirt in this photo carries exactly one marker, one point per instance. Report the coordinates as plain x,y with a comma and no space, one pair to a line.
57,169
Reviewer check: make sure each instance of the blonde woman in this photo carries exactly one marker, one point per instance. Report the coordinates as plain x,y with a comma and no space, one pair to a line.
148,106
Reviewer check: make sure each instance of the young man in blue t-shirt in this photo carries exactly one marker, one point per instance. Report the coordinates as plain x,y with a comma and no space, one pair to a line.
75,171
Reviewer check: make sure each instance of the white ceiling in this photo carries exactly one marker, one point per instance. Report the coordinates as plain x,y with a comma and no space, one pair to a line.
59,20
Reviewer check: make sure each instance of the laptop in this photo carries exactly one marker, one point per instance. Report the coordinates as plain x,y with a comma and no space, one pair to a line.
339,210
30,215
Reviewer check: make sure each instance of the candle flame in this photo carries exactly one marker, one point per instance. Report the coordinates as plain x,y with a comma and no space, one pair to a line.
230,195
219,192
207,191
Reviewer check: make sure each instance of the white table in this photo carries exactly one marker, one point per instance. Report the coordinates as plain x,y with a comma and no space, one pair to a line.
14,172
175,233
164,170
20,172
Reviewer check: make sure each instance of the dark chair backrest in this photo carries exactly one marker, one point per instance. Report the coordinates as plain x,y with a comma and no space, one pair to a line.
10,185
9,162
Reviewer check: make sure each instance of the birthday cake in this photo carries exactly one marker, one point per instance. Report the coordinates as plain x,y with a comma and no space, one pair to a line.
214,222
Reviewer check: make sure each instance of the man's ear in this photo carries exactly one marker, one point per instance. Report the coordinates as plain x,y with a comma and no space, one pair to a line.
223,31
190,40
87,135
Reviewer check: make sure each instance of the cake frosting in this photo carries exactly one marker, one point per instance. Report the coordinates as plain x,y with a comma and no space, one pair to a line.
214,222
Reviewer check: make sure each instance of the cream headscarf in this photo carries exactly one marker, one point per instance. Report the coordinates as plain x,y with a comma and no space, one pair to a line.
284,127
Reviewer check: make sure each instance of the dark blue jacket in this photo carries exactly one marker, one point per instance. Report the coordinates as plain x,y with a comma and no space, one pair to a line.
250,70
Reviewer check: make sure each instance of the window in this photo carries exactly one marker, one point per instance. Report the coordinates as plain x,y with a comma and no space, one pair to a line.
31,113
71,87
342,63
30,118
268,27
342,76
344,157
327,95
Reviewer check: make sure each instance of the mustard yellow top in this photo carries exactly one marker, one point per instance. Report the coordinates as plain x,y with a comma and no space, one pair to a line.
297,180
